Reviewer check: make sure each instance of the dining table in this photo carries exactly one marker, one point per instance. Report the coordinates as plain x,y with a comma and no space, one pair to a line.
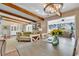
43,47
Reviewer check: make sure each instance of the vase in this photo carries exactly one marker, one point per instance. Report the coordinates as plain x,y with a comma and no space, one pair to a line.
55,41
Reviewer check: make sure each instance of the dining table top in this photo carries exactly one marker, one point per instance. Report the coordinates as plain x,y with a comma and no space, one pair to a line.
44,48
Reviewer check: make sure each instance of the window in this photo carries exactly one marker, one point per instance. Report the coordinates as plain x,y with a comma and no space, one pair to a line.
29,28
59,24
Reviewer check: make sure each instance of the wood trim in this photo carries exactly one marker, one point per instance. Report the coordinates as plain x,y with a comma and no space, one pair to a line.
14,20
16,15
7,19
22,10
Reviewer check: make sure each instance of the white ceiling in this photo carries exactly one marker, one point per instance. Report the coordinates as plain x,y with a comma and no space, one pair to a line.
36,8
4,7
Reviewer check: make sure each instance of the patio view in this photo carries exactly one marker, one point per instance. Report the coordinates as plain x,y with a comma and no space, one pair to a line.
39,29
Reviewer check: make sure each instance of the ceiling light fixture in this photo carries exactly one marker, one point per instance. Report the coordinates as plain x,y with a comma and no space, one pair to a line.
51,8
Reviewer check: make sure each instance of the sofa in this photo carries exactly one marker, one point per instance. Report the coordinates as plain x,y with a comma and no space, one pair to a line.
66,34
23,36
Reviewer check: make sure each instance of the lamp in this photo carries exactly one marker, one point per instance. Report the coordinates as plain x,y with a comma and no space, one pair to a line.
51,8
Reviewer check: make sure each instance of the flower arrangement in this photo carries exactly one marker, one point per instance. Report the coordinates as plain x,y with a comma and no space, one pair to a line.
56,32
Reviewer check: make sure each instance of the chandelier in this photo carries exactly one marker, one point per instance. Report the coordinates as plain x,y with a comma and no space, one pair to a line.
51,8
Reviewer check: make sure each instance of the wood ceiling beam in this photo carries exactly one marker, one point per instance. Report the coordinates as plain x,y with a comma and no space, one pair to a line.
22,10
14,20
16,15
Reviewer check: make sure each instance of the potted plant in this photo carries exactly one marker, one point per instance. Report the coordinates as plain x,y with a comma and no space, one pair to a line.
56,33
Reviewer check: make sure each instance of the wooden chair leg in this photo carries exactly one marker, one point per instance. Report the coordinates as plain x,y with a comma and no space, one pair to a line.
3,48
